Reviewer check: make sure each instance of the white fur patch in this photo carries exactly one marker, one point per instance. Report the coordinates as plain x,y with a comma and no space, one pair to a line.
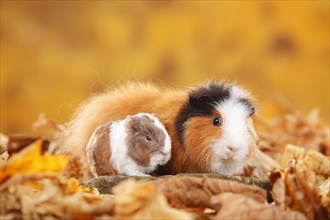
119,157
235,135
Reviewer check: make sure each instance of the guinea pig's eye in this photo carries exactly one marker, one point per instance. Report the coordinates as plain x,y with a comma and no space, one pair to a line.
217,121
148,138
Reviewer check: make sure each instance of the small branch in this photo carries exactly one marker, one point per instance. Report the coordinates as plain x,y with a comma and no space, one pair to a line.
105,183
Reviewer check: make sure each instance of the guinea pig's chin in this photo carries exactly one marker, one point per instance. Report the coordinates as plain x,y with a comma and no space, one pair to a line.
227,167
165,160
159,160
228,163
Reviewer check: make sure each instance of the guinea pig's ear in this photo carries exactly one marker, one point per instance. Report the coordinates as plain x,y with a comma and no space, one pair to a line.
133,124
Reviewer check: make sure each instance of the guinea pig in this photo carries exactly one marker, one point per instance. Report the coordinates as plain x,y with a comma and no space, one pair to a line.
134,146
210,125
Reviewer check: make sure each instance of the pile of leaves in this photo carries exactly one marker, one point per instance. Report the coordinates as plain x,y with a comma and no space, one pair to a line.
33,187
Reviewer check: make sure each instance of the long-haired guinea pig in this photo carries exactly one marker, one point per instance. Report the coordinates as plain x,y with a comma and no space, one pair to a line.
133,146
210,125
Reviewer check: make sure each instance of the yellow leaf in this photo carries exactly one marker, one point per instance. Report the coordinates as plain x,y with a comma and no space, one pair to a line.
30,160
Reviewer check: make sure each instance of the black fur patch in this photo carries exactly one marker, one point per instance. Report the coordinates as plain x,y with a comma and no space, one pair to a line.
201,102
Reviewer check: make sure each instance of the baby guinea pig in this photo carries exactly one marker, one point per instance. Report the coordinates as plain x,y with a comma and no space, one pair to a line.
134,146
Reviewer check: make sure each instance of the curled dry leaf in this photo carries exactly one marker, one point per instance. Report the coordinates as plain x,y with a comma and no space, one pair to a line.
4,140
303,183
291,152
315,161
18,142
325,194
250,208
40,196
141,200
262,164
301,197
278,190
288,126
43,123
193,192
4,156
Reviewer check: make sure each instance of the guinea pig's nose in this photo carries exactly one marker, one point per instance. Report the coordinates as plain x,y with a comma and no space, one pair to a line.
163,153
232,149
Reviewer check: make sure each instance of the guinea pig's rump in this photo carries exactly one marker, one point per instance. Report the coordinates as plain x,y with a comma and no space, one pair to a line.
98,151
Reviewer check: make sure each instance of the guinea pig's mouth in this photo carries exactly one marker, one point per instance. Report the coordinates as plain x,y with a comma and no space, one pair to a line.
229,157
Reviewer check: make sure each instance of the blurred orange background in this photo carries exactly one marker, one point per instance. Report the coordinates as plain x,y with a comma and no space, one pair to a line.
55,54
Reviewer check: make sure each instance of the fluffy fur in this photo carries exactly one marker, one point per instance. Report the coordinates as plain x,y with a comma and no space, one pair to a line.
138,164
121,147
98,151
230,151
197,145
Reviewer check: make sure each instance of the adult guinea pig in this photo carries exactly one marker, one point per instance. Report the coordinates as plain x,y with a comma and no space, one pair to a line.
133,146
210,125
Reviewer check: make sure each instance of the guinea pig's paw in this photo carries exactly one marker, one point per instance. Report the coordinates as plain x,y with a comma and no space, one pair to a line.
143,175
160,159
137,173
165,159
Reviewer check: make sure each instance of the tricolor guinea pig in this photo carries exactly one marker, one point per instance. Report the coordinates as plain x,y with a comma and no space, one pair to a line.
210,125
133,146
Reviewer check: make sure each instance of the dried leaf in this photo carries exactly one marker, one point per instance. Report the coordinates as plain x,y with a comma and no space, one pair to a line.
4,156
45,125
40,196
30,160
188,192
291,152
301,197
18,142
288,126
4,140
236,206
263,164
141,200
317,162
324,189
302,180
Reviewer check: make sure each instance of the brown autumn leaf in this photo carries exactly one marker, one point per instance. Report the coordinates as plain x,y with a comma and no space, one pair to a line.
300,196
289,126
17,142
142,200
4,156
302,185
262,164
237,206
189,192
40,196
4,140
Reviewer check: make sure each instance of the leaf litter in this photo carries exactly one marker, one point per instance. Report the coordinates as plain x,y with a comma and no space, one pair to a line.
293,155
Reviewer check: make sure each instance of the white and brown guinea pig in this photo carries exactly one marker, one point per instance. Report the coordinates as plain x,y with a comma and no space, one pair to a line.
210,125
133,146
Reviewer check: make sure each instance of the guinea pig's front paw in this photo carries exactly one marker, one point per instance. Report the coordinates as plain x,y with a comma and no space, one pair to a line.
138,174
146,175
160,159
